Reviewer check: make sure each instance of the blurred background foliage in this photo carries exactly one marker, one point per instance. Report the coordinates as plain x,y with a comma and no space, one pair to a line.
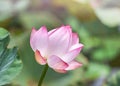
96,21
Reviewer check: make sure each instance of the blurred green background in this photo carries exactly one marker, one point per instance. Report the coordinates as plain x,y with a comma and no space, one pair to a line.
96,21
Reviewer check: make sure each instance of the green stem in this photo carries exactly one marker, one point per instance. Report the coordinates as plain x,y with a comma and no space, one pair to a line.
43,75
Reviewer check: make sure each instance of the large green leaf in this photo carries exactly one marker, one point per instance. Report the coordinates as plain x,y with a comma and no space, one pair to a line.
10,66
3,33
4,37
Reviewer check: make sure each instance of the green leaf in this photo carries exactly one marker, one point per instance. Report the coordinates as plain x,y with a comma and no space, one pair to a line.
4,37
3,33
10,66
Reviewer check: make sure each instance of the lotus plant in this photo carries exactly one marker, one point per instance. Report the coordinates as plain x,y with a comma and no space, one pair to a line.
56,49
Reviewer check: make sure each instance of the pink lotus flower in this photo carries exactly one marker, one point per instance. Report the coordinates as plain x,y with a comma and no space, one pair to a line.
58,48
